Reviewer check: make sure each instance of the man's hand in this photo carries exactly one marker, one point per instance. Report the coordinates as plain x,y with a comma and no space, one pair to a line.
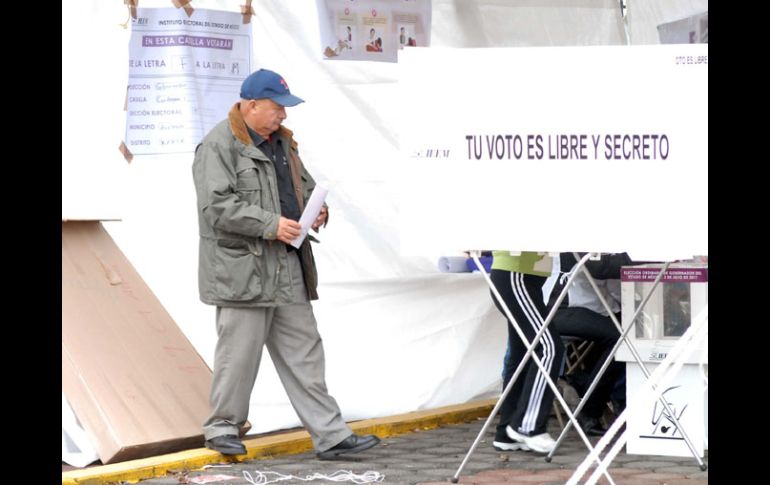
320,219
288,230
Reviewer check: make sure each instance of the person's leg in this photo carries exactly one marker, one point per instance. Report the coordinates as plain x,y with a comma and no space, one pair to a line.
589,325
531,415
297,352
506,374
515,352
241,335
618,394
581,323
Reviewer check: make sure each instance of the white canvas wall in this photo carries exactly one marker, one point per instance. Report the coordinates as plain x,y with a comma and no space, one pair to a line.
398,335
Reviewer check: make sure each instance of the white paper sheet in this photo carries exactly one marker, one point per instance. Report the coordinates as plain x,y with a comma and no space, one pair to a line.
184,73
312,209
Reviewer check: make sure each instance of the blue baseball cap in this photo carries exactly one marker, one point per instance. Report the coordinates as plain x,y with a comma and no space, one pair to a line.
268,84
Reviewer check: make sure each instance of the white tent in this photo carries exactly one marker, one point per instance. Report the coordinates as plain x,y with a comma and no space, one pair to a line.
429,339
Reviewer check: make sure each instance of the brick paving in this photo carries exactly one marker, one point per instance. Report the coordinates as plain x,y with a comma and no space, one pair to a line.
432,457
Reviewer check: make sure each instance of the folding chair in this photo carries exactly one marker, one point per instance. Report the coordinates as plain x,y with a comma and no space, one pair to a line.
575,352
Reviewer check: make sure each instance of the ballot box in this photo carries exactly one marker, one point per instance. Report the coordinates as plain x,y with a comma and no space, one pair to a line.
671,310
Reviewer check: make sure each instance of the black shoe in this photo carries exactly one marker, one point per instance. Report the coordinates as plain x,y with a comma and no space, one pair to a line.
591,426
352,444
227,444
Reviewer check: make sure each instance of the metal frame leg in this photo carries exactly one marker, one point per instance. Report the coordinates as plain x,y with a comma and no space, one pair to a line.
611,356
530,348
654,385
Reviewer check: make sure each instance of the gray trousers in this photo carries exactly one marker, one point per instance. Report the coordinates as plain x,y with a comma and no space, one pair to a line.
291,335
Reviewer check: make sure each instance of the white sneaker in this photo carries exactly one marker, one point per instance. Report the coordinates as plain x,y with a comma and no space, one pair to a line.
542,443
509,445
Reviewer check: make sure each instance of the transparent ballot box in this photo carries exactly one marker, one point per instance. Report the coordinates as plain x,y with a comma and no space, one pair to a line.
679,298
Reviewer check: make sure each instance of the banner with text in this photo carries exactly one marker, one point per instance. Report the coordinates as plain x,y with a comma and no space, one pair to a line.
372,30
184,75
556,149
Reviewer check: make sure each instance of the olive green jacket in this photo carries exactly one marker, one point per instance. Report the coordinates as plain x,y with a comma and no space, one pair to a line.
240,261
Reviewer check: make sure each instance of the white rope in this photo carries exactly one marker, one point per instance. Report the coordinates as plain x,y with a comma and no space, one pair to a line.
263,478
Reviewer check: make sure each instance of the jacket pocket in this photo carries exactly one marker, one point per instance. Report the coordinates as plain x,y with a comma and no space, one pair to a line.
248,185
236,271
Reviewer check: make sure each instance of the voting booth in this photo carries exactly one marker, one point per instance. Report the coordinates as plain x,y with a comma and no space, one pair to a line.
538,160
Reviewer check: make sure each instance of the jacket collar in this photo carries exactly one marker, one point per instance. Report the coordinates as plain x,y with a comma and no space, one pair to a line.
238,125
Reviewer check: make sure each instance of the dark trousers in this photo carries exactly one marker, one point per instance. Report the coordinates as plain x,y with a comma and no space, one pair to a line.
589,325
527,406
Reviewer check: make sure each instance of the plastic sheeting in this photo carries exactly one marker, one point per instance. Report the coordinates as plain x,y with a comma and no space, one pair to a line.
510,23
399,336
644,16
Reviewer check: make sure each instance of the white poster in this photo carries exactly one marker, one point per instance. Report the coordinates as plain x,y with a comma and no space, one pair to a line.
651,429
601,148
372,30
184,73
